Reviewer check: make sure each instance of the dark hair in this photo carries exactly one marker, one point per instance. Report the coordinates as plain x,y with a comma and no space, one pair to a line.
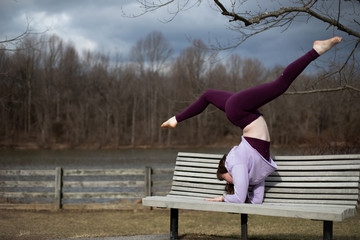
229,188
221,168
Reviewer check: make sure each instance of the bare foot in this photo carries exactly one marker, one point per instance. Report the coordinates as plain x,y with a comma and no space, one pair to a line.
322,47
171,123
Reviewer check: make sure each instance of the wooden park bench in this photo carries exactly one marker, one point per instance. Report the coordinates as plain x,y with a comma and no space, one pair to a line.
324,188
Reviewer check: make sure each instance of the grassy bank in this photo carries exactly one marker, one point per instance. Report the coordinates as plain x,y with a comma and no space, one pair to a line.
137,220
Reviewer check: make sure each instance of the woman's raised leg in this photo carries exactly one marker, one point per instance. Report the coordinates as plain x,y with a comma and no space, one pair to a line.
244,104
217,98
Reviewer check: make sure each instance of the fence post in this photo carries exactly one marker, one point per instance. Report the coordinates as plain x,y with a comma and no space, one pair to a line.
148,181
58,188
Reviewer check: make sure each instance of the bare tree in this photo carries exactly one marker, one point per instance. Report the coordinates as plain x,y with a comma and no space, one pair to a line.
249,18
151,55
50,94
152,52
28,58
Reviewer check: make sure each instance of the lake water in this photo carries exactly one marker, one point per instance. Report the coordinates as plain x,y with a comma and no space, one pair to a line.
93,159
119,158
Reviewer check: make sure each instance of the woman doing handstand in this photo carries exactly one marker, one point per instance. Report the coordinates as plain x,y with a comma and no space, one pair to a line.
250,163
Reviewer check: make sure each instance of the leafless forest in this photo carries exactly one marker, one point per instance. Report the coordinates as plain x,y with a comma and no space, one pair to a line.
52,94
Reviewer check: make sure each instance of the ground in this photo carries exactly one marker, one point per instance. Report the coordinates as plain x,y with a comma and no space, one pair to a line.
40,222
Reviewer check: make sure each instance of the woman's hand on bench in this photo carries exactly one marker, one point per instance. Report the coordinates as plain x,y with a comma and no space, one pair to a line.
217,199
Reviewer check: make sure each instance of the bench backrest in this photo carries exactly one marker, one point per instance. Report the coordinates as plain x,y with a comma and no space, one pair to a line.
323,179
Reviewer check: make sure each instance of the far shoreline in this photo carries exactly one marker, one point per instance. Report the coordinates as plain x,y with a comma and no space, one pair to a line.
307,148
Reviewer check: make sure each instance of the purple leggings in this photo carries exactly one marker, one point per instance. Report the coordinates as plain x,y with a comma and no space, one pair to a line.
241,107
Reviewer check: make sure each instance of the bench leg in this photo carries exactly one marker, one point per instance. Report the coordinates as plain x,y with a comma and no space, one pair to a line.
328,230
244,229
174,220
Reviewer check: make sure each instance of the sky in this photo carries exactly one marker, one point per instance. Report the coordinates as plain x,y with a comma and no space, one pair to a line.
102,26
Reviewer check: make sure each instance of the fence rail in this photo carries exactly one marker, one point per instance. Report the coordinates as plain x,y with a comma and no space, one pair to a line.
66,186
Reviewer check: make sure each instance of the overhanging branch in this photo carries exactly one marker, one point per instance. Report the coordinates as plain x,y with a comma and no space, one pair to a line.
306,8
323,90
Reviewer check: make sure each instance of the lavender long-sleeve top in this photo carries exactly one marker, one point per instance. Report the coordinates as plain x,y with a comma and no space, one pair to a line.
247,167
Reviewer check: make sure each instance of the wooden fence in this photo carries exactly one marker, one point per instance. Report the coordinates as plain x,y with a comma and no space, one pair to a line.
67,186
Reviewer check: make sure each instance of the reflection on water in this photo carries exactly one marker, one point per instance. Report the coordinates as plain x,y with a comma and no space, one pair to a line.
84,159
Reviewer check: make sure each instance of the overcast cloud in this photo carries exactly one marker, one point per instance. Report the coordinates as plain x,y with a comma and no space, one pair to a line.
100,26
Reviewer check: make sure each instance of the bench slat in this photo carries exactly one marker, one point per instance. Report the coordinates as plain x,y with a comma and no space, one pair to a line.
195,174
281,168
203,155
201,190
204,160
312,190
269,195
196,169
311,196
317,157
317,163
320,167
201,180
313,185
316,173
192,194
311,179
303,201
196,164
307,211
199,185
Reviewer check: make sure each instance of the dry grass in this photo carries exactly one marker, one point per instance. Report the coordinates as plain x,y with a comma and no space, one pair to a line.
133,219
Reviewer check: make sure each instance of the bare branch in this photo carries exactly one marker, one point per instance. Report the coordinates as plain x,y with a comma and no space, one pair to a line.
235,17
333,22
151,6
17,38
306,8
323,90
338,71
14,41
